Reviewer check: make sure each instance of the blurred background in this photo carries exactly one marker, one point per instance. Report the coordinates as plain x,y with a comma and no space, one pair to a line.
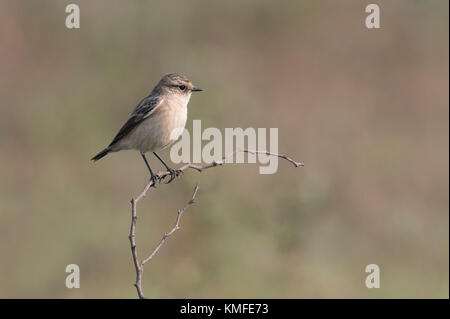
367,111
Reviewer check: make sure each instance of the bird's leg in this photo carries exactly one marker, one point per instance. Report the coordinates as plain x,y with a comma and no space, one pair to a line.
153,177
173,173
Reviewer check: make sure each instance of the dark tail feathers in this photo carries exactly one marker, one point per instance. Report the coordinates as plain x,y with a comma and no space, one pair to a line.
101,154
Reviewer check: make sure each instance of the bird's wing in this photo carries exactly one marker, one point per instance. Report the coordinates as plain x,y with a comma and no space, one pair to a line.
143,110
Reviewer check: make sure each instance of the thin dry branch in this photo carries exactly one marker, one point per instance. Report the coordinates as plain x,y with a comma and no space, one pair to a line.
139,266
199,168
283,156
175,227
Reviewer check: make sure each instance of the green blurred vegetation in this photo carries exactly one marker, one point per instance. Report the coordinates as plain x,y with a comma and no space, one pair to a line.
366,110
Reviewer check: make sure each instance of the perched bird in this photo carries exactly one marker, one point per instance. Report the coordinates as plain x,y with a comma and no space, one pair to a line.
156,122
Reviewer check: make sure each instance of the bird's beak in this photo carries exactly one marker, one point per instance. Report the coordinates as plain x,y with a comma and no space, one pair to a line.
196,89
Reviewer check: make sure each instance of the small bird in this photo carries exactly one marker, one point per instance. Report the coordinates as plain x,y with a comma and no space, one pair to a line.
156,122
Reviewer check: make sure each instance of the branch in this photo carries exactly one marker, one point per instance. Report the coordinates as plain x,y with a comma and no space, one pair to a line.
139,266
175,227
201,168
296,164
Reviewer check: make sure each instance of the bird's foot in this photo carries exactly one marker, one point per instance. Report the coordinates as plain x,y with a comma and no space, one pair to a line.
173,174
154,179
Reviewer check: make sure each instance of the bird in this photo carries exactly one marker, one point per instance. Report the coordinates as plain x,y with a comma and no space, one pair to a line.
156,122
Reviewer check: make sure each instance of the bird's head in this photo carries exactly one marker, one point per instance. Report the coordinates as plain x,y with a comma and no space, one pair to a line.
177,84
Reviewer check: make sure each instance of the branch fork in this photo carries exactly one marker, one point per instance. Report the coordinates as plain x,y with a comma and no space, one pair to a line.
139,265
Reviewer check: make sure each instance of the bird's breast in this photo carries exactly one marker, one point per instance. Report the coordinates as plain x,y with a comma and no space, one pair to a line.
163,127
176,118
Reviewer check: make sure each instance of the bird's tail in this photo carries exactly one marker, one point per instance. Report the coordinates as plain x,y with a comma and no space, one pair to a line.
101,154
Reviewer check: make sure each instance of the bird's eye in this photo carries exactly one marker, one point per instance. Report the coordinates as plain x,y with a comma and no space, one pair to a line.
182,87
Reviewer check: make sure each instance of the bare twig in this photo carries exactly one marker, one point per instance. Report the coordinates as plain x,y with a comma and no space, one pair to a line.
296,164
175,227
132,238
139,266
224,160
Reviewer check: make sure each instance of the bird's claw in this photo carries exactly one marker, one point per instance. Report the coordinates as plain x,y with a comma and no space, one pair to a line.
173,174
154,179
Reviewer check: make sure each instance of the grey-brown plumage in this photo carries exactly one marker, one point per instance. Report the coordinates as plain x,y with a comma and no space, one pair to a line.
157,121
